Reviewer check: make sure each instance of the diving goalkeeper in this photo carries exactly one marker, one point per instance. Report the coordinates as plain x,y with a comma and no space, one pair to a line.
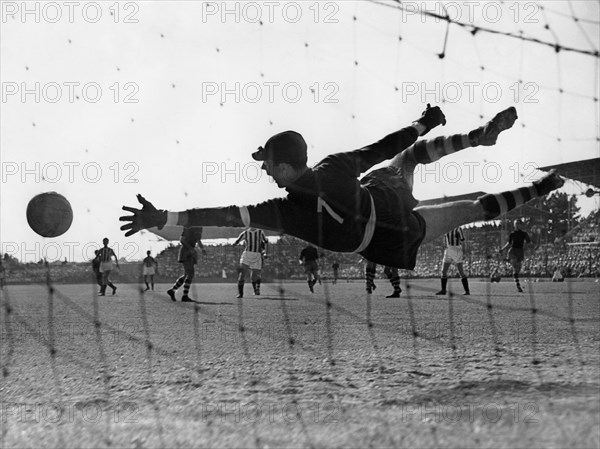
376,216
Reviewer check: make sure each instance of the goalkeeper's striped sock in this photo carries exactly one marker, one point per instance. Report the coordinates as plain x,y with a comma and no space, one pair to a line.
496,204
428,151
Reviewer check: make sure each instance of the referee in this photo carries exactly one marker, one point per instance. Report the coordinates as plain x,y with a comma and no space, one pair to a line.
454,241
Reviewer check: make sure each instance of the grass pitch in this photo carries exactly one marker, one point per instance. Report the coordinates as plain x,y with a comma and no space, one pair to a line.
337,368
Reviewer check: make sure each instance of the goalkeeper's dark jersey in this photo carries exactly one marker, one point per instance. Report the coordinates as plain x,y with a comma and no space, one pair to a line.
329,207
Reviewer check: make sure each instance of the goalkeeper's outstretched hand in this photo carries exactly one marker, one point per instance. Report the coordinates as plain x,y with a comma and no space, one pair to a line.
146,217
432,117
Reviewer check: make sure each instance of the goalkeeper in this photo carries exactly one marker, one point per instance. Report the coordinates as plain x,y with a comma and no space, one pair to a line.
375,216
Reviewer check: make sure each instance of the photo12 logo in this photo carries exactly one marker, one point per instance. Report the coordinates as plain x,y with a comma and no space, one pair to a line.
269,12
63,412
469,91
70,12
69,92
470,11
50,252
269,92
68,171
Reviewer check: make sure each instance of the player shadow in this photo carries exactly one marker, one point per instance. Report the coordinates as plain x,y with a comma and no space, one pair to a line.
207,303
276,298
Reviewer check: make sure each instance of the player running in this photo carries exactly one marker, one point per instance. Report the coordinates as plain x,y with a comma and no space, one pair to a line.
252,258
374,216
188,257
516,253
309,257
453,254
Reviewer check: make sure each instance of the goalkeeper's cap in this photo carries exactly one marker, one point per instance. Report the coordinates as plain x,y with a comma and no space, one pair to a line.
288,146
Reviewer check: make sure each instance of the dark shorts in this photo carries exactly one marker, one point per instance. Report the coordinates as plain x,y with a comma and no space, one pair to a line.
311,266
516,255
399,230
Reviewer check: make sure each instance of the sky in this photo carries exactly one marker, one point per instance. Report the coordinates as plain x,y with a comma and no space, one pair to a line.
104,100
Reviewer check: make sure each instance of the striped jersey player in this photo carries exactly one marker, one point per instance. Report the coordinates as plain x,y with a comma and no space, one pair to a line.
105,255
453,254
255,245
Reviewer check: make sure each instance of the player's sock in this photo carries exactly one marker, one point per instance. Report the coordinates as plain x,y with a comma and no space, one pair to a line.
428,151
186,286
178,283
370,276
465,283
395,281
256,286
394,278
444,284
240,289
519,289
496,204
488,134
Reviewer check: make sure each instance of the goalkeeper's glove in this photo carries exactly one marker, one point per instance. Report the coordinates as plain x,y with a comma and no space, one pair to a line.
146,217
431,117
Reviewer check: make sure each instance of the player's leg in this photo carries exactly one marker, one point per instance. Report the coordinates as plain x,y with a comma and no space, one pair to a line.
310,277
152,281
442,218
99,280
146,282
255,274
370,269
516,261
463,277
111,285
428,151
178,283
187,282
394,278
444,277
104,283
242,274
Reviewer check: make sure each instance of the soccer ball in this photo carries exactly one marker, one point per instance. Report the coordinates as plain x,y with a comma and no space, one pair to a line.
49,214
